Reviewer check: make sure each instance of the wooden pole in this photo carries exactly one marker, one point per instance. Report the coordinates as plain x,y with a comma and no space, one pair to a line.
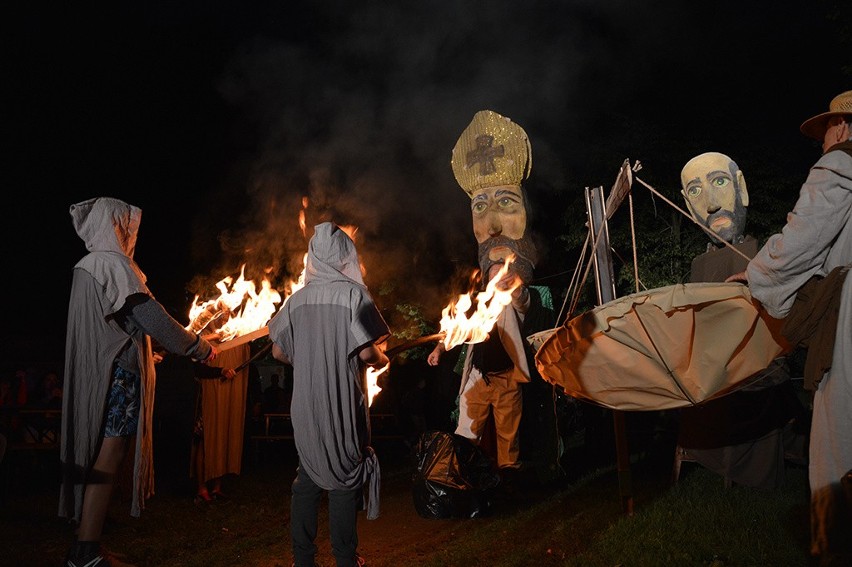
605,284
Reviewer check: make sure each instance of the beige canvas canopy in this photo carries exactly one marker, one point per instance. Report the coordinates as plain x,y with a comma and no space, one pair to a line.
664,348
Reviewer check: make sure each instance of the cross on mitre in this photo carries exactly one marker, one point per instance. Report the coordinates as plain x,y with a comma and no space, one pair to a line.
484,154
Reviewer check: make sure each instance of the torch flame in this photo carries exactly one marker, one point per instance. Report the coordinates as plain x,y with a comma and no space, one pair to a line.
302,215
240,305
240,309
460,328
373,387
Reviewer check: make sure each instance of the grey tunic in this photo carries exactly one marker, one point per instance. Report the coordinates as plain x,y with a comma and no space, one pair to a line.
96,338
321,328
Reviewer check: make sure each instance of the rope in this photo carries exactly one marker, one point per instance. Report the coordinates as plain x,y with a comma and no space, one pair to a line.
687,215
633,240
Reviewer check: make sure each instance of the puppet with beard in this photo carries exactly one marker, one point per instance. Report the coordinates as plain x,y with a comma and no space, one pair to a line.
742,436
499,379
715,192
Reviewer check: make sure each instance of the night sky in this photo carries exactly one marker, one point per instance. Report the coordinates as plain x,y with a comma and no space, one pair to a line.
217,119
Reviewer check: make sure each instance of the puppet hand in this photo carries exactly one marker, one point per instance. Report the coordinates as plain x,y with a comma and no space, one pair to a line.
741,277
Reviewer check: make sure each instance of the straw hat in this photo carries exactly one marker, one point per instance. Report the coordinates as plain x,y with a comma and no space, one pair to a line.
815,127
492,151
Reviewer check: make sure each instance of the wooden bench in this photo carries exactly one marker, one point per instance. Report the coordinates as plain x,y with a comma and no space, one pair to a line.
279,427
32,446
32,428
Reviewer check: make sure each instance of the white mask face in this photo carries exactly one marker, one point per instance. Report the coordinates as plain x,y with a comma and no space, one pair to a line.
715,192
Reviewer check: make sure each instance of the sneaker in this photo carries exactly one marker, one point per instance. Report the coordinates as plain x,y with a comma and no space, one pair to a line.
97,561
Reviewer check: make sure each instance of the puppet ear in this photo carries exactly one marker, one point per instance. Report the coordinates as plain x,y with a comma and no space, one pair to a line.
743,190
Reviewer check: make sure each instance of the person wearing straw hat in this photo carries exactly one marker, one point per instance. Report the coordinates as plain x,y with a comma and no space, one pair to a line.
490,160
742,436
800,274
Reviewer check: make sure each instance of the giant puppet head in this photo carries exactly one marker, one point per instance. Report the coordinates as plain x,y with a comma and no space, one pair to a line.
716,194
490,161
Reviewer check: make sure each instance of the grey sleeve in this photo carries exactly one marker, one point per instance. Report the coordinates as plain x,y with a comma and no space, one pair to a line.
150,316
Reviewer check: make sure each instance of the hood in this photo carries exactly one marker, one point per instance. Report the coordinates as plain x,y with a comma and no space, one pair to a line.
332,256
107,225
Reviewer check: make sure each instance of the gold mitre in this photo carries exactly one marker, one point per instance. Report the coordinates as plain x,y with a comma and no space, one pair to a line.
492,151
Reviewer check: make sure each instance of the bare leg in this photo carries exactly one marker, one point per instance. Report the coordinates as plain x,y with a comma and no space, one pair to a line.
199,472
99,488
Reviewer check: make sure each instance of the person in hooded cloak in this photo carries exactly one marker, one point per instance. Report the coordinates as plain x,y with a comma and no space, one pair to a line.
109,372
328,331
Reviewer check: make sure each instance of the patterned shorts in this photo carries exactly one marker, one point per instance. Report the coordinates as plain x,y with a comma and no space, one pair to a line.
122,404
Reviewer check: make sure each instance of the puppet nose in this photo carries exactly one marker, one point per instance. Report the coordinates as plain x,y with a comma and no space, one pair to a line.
495,227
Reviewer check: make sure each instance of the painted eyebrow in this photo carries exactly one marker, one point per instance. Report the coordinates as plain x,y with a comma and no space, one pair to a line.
718,172
502,192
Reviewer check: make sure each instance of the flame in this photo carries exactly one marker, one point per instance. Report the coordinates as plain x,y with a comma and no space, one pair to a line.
460,328
302,216
350,229
240,309
373,387
300,282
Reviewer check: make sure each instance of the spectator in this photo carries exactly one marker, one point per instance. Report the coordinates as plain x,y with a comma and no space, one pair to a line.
14,393
275,397
50,392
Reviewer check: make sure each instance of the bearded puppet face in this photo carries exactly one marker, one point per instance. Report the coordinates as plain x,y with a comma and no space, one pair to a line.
499,224
715,192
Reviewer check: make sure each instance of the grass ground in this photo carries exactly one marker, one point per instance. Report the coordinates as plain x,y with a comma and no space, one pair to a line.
577,522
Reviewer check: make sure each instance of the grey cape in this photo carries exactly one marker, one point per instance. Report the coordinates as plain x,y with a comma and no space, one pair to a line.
321,328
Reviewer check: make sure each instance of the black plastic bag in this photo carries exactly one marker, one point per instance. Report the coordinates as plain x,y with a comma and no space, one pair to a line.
454,479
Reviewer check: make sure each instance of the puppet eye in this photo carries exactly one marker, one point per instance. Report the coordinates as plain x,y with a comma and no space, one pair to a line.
721,181
693,191
479,207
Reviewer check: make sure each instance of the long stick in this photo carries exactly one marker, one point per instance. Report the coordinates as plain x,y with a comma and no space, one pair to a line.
262,352
392,352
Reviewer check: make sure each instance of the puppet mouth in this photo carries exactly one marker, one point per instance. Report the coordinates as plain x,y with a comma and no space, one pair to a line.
499,253
721,222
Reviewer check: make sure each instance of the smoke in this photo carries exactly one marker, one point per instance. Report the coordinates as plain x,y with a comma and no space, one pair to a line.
358,110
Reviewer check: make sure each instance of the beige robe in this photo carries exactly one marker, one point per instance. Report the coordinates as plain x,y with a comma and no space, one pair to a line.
223,410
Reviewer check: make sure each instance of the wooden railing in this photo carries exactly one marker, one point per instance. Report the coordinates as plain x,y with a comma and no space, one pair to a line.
31,428
279,427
